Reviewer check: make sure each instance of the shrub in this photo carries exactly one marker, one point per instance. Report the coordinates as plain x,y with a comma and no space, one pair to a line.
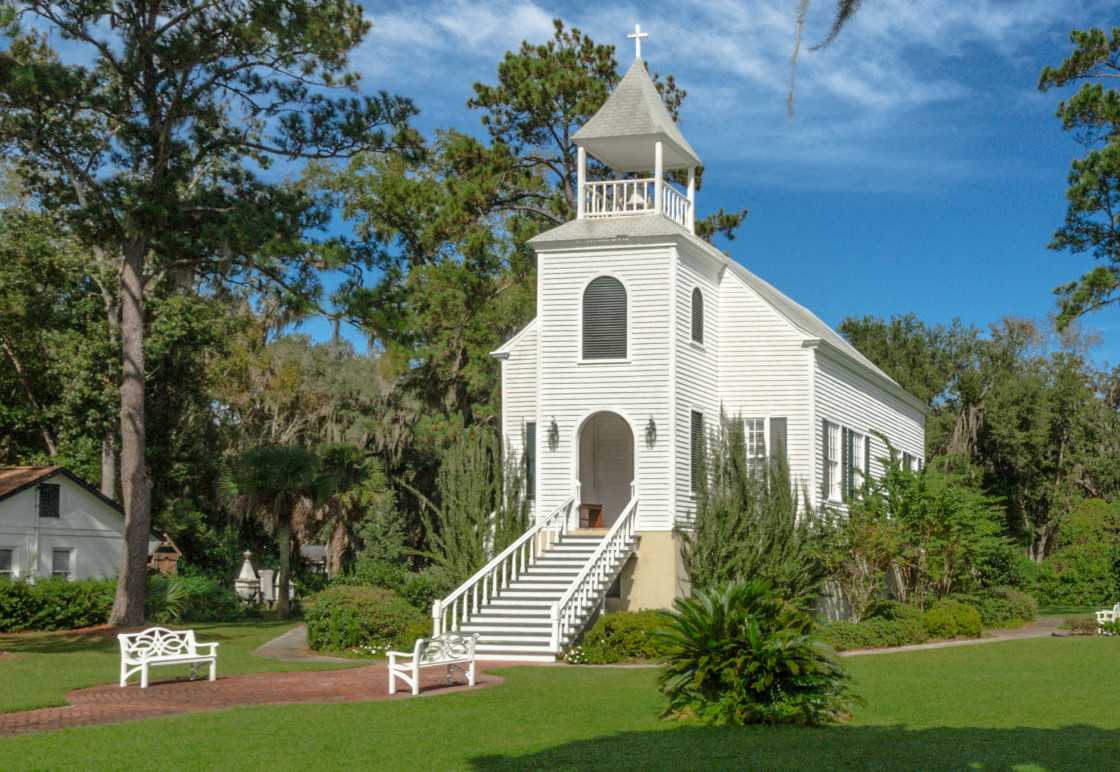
54,604
895,611
952,619
191,599
742,655
342,617
1000,606
1081,625
420,589
623,636
876,632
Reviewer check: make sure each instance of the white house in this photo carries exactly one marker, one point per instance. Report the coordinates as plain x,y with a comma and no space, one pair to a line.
53,524
644,332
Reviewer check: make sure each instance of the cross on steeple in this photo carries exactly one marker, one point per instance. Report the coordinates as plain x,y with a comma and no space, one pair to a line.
637,36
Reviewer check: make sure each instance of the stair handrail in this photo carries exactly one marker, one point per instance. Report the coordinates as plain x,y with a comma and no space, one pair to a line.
449,613
617,542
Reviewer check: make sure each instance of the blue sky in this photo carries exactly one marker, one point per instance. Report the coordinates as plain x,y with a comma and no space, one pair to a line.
922,171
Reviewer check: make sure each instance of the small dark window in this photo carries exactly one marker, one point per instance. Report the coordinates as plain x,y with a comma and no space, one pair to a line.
604,319
697,315
6,562
60,563
697,447
531,460
48,500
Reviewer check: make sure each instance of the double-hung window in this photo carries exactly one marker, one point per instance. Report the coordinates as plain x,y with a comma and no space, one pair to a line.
60,563
6,569
833,485
754,431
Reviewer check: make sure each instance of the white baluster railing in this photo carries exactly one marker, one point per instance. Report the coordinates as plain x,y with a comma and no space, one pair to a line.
458,607
614,197
677,206
570,610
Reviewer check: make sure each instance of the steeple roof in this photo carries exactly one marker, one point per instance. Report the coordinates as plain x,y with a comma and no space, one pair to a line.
623,132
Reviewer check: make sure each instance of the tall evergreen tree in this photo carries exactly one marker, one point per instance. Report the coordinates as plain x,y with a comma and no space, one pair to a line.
146,140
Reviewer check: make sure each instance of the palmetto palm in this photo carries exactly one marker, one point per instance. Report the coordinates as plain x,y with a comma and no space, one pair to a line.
280,487
742,655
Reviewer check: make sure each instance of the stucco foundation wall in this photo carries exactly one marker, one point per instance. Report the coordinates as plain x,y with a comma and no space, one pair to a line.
654,577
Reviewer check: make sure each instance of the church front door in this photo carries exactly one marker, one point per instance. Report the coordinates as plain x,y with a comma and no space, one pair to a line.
606,468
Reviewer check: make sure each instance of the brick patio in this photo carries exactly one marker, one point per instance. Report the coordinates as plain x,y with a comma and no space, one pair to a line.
111,704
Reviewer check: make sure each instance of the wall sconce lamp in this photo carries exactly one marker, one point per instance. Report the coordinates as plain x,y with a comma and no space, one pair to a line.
651,432
553,434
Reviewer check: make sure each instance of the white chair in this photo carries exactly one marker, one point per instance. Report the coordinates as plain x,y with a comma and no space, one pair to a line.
1108,615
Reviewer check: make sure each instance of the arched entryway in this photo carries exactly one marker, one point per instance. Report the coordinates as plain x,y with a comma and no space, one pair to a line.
606,465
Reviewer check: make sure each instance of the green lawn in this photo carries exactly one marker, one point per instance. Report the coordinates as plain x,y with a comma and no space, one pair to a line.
1048,703
47,665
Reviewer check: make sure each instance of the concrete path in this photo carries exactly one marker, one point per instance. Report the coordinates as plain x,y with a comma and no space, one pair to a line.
1042,628
292,647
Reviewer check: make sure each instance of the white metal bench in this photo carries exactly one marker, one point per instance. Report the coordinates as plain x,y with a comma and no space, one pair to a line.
160,646
451,649
1108,615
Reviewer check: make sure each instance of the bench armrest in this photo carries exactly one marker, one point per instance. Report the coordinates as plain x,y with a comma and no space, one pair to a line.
213,647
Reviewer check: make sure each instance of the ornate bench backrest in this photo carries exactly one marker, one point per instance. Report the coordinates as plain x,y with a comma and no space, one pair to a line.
158,642
450,645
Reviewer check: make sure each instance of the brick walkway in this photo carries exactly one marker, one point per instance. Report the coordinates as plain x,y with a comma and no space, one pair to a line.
113,705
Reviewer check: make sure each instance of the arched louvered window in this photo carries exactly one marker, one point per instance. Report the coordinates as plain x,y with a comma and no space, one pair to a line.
697,315
604,319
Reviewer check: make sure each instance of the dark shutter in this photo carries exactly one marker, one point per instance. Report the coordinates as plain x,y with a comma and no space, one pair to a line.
604,319
777,441
48,500
825,482
531,460
697,436
867,455
697,315
906,462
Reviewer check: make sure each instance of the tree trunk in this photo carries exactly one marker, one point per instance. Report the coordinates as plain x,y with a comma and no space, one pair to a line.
284,543
128,607
108,467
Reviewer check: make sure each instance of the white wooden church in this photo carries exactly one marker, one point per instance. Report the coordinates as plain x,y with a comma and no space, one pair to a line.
644,332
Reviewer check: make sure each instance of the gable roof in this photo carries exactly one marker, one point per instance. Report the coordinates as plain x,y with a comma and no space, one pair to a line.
503,351
609,230
634,110
15,479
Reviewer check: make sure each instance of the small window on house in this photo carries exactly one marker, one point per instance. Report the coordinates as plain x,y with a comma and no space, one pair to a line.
697,315
6,563
831,485
754,433
696,433
60,563
531,460
604,319
859,459
48,500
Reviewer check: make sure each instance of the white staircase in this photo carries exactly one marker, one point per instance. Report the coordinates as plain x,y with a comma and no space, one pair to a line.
537,595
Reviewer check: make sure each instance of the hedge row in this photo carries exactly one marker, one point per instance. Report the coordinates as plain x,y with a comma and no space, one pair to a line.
54,604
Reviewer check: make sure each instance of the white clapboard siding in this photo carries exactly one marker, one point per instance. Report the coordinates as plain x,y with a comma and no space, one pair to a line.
519,391
696,367
865,402
571,390
764,369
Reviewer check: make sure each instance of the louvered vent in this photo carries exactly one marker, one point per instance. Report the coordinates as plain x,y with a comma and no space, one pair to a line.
697,315
604,319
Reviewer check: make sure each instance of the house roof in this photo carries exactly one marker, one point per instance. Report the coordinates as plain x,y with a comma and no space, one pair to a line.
14,479
609,230
635,111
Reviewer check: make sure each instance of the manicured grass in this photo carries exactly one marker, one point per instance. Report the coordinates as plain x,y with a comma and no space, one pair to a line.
47,665
1036,704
